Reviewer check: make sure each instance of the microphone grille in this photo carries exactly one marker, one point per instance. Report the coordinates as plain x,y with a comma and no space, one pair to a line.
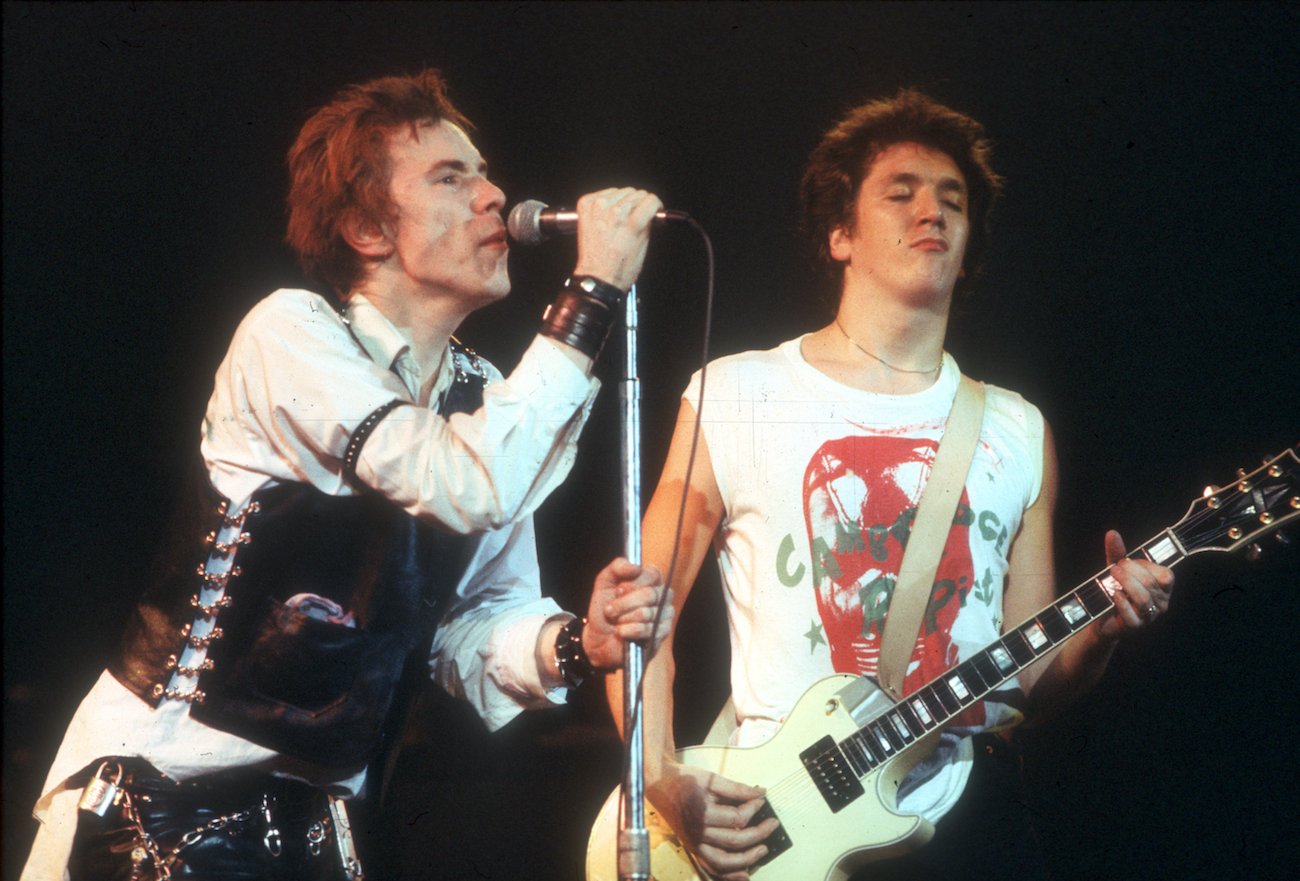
524,222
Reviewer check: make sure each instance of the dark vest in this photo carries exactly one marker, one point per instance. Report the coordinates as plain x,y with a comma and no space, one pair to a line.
320,691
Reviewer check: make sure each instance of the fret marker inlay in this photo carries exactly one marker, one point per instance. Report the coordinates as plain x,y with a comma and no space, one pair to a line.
902,728
1163,550
1034,633
1073,611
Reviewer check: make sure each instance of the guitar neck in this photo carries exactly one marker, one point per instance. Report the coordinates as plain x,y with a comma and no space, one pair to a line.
1223,520
935,704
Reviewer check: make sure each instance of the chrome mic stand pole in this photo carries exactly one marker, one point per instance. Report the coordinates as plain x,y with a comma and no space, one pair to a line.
633,837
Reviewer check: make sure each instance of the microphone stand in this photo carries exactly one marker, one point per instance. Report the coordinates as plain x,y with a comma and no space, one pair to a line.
633,837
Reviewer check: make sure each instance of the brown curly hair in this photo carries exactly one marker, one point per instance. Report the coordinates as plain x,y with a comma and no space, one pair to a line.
339,167
840,162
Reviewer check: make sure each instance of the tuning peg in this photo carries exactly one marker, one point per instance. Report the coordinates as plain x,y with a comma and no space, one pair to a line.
1254,552
1241,472
1209,490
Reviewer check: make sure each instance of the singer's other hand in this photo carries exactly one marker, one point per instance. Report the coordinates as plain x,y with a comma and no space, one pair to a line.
613,233
624,600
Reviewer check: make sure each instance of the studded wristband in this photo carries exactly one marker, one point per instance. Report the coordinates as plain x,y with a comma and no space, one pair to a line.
570,657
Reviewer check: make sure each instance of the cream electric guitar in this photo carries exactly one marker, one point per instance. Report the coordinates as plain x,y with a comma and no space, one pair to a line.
832,770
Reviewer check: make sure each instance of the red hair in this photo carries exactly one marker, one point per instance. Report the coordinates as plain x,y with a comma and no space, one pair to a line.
339,167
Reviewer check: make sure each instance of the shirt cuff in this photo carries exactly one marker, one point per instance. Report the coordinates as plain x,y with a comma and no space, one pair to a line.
515,669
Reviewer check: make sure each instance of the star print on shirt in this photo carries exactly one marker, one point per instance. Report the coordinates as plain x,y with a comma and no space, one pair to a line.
814,635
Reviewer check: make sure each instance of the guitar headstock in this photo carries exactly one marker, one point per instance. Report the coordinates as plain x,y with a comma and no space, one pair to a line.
1240,513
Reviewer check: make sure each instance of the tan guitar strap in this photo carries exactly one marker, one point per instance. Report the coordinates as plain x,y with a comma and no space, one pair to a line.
934,515
720,731
930,530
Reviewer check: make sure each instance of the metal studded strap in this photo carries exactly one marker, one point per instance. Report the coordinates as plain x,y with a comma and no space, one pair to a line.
359,437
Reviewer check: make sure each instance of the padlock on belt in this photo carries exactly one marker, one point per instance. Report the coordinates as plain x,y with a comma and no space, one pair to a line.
100,793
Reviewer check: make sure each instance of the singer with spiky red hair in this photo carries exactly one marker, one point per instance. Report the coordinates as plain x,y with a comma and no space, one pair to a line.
360,520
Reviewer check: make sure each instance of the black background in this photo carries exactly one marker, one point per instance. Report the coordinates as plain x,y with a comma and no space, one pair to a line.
1139,290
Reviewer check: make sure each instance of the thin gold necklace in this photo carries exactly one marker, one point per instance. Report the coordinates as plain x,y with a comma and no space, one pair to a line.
882,360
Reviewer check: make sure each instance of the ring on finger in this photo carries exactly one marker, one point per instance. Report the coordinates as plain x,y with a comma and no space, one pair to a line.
1151,612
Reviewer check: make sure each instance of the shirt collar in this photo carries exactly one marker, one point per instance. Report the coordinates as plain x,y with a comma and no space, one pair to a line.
389,347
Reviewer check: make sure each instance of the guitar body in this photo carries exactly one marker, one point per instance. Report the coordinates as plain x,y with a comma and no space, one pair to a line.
824,844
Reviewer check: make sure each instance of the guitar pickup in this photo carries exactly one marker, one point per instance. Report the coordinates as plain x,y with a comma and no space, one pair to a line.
831,772
778,842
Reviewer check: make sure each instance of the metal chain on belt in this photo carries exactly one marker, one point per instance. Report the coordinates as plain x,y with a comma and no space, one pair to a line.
147,849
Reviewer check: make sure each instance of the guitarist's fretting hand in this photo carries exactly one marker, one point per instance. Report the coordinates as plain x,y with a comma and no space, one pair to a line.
711,814
1145,596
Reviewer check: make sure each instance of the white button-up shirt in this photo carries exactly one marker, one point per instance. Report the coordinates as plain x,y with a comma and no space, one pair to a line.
295,384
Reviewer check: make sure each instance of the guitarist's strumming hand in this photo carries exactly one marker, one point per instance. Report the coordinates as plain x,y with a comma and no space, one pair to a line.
711,815
1145,594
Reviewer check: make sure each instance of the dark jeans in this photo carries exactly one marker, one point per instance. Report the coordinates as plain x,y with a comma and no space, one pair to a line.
216,828
988,834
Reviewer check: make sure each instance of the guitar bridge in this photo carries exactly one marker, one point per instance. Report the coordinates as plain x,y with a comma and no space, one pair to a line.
778,842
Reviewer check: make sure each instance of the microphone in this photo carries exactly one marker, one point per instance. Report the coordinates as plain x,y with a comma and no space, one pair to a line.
532,222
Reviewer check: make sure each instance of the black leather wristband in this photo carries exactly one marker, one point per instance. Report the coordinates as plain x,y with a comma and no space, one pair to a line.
582,314
570,657
595,287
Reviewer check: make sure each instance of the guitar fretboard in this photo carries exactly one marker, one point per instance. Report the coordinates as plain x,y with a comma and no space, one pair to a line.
939,701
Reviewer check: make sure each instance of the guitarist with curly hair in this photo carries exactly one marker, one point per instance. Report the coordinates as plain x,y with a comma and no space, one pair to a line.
810,462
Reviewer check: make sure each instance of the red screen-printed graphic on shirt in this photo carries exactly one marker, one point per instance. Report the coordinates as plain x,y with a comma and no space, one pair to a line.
860,497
